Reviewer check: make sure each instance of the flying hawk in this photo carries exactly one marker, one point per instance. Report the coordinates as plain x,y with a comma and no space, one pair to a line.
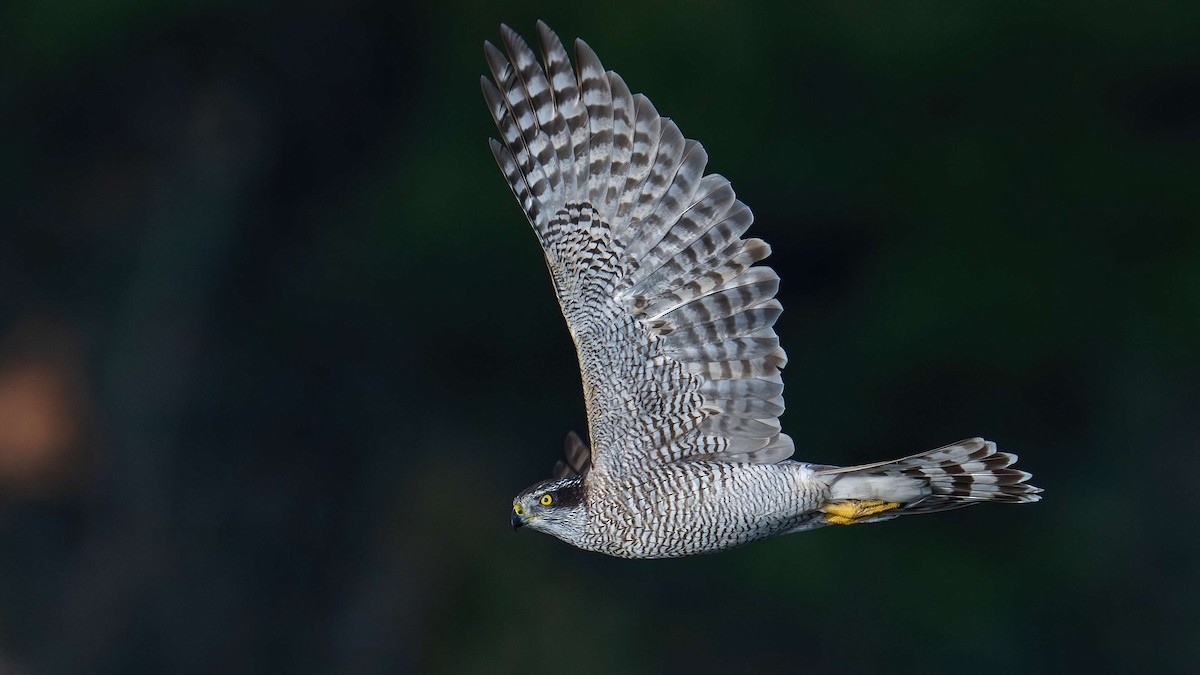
673,323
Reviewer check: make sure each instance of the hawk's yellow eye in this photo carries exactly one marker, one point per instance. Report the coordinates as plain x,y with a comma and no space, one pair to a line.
546,500
518,510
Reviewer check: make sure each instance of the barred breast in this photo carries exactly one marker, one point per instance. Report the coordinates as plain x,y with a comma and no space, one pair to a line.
686,508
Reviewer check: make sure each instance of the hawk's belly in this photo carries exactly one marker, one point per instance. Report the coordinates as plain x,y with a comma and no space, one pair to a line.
687,508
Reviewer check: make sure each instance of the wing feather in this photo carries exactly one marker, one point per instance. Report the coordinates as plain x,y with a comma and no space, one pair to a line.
672,320
597,99
703,258
647,132
670,147
622,144
677,199
568,107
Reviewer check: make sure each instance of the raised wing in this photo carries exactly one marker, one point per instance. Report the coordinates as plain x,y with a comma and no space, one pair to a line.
673,325
578,458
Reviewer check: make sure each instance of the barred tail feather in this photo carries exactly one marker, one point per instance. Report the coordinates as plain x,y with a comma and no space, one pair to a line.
969,472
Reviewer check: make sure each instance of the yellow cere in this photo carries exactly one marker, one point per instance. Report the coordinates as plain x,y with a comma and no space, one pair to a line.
546,500
517,509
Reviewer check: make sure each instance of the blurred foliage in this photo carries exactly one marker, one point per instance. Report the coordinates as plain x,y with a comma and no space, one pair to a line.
313,352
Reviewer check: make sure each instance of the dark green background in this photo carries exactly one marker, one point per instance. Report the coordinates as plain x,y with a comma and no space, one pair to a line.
322,352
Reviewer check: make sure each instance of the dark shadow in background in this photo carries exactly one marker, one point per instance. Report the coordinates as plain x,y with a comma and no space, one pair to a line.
276,348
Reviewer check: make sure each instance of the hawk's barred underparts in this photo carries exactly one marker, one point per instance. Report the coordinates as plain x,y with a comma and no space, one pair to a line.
673,323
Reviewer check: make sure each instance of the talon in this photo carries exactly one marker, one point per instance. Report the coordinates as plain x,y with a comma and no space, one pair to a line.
851,511
839,520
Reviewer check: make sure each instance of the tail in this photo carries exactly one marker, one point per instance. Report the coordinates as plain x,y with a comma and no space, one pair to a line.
962,474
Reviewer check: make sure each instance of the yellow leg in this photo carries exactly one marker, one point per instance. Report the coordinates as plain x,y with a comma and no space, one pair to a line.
851,511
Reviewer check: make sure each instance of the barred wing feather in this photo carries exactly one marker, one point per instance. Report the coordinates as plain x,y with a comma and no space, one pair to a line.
672,321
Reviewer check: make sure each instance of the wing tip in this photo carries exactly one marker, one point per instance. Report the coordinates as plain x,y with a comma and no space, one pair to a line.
586,56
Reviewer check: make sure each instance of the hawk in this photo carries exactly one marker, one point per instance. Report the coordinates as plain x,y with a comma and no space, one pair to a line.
673,323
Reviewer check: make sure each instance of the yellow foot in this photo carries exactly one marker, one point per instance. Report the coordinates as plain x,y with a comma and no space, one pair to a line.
851,511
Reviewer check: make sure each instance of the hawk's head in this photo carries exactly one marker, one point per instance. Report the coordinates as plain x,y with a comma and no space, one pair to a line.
553,506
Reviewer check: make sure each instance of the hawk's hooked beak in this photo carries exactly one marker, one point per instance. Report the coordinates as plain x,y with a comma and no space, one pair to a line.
517,520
